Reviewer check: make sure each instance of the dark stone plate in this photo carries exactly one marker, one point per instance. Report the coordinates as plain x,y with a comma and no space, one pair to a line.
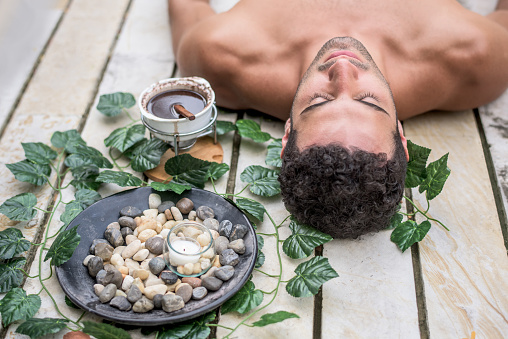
78,284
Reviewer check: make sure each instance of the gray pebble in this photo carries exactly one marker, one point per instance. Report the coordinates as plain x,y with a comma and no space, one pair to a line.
211,283
169,277
104,251
221,244
199,293
172,302
108,293
104,277
127,222
95,242
121,303
114,237
126,231
185,205
95,264
238,246
205,212
114,225
228,257
238,232
157,301
211,224
156,265
117,277
131,211
155,245
143,305
134,294
225,273
165,205
225,228
184,291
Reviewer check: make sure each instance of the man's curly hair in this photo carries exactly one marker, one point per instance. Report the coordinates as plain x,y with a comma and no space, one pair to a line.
342,192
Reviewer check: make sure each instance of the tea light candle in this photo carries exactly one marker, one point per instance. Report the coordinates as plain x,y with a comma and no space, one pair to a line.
182,250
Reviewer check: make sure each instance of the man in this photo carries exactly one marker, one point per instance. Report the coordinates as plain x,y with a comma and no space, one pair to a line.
344,153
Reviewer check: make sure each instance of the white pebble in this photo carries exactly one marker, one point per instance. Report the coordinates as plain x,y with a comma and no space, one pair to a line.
127,282
146,234
145,264
120,293
204,239
129,239
176,214
164,233
169,224
161,218
131,264
188,269
153,280
98,288
209,254
117,260
151,213
151,291
87,258
154,200
192,215
119,250
131,249
141,254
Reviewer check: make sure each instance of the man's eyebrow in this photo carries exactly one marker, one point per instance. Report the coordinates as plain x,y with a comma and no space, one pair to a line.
311,107
376,107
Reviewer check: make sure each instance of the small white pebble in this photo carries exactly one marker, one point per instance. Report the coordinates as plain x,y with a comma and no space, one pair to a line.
192,215
177,215
154,200
188,268
151,213
87,258
141,254
127,282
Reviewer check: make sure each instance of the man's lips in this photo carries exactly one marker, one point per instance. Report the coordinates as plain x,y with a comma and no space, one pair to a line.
341,53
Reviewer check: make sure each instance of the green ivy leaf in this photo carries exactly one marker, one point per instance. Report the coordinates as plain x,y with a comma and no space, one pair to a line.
273,318
437,173
72,210
170,186
408,233
104,331
16,305
84,177
197,329
20,207
87,197
260,259
147,154
263,181
10,275
189,169
246,299
63,247
69,303
250,129
216,170
122,179
38,152
12,243
310,275
304,239
395,221
252,207
86,155
28,171
68,139
38,327
418,156
125,137
112,104
261,241
273,154
224,127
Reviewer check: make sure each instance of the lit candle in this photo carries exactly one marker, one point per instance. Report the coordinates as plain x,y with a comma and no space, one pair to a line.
184,251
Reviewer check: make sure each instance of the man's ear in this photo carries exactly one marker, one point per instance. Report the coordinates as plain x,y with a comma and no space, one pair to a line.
402,138
287,129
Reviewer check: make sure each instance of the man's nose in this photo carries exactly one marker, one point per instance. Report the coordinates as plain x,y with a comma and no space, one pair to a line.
343,74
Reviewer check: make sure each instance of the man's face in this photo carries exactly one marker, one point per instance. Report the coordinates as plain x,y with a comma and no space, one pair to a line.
343,98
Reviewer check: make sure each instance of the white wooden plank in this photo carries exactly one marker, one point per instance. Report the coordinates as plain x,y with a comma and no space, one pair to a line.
465,271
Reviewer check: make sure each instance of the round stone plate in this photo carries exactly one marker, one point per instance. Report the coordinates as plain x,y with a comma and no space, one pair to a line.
78,284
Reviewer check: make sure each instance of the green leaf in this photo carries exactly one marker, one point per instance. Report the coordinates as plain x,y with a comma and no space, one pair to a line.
84,177
263,181
38,152
170,186
20,207
273,154
69,303
62,249
87,197
250,129
273,318
261,241
38,327
418,156
304,239
10,275
12,243
395,221
112,104
68,139
72,210
246,299
125,137
196,329
86,155
437,173
252,207
216,170
147,154
310,275
104,331
16,305
408,233
189,169
122,179
28,171
224,127
260,259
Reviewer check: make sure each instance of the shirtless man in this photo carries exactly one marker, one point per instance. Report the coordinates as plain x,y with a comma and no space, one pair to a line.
344,153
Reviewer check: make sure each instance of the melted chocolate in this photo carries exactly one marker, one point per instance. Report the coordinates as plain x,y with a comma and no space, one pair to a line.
161,104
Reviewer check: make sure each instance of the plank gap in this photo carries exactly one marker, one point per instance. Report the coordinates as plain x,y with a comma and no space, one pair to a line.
318,304
235,154
496,190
